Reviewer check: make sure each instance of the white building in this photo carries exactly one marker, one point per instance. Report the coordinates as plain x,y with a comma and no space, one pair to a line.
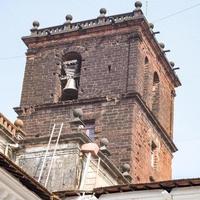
185,189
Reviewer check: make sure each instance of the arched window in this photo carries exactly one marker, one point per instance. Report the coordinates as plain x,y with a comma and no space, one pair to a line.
146,78
155,94
154,155
173,94
70,75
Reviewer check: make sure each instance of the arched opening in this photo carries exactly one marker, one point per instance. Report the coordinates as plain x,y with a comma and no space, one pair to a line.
146,60
146,78
173,94
155,94
70,75
154,155
155,78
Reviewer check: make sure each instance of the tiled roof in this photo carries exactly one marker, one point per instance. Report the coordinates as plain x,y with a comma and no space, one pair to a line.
165,185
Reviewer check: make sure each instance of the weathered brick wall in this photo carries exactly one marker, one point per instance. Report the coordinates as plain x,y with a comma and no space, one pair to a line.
145,74
113,121
39,79
144,132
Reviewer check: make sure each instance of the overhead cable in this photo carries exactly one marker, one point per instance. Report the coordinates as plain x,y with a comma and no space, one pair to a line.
12,57
177,13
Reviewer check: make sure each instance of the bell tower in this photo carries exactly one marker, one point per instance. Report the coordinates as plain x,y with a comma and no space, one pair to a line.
114,69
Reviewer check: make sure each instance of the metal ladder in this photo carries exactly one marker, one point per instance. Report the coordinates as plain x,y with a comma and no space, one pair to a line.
57,128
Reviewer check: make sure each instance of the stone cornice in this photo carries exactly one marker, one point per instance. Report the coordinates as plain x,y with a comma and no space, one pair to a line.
163,134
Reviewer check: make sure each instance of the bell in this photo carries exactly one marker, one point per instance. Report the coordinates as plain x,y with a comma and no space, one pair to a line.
70,88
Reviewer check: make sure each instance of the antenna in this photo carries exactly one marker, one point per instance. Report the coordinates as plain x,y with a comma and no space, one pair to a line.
147,7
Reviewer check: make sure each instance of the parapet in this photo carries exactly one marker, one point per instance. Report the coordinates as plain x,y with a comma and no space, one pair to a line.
101,20
10,130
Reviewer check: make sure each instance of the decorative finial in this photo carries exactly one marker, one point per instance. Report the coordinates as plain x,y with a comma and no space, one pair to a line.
151,26
68,19
172,64
126,167
78,113
103,146
36,24
103,12
162,45
104,142
138,5
125,171
19,123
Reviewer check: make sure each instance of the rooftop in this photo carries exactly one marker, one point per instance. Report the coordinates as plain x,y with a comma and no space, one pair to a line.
165,185
101,20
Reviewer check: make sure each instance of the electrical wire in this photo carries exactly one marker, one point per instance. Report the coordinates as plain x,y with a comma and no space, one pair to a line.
176,13
12,57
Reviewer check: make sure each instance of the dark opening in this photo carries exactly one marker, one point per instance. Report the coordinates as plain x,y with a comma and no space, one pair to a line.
109,68
90,129
146,60
155,94
151,179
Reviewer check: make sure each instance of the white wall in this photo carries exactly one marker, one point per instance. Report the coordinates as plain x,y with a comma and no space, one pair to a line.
11,189
186,193
136,195
97,177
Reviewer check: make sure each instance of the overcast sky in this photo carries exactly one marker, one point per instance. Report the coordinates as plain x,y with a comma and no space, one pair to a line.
179,26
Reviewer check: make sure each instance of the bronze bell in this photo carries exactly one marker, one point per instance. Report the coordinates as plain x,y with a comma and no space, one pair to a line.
70,88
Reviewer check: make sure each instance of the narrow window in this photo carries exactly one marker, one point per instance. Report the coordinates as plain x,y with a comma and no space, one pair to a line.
109,68
146,78
173,94
153,155
146,60
155,94
70,76
90,129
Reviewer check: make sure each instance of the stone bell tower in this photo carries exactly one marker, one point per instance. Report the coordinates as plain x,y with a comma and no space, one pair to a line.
113,68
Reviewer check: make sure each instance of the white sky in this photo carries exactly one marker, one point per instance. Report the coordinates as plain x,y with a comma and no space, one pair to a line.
180,33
